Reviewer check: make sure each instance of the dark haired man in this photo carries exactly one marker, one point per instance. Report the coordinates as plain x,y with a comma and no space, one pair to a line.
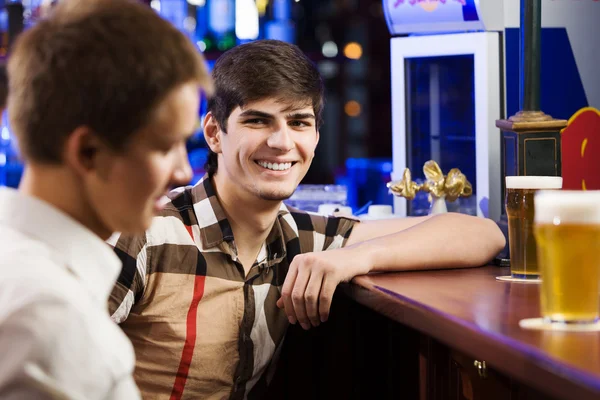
103,95
207,293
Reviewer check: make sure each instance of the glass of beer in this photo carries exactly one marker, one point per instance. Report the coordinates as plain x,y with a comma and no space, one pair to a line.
520,211
567,228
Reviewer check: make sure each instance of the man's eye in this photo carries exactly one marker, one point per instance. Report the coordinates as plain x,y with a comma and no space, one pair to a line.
255,121
299,123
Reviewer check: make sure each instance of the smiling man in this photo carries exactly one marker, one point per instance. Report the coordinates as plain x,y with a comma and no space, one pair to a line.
206,295
251,163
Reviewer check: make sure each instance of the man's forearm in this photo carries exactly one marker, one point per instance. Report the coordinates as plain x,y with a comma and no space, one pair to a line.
443,241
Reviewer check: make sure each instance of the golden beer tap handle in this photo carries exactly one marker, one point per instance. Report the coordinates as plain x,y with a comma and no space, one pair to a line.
449,187
457,185
406,187
435,179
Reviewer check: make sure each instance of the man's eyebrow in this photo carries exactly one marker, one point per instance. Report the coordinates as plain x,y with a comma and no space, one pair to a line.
300,116
255,113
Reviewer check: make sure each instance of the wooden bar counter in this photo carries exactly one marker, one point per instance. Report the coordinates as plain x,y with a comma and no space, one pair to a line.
468,318
436,335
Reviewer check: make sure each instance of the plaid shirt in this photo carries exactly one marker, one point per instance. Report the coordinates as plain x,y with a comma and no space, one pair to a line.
200,327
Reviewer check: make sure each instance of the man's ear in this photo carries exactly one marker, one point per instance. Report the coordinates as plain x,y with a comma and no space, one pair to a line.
84,152
318,137
212,132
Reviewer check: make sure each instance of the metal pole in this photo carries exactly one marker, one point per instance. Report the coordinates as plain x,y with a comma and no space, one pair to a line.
530,55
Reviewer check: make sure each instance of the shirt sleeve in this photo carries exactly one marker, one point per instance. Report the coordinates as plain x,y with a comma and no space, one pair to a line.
129,288
337,231
319,233
46,355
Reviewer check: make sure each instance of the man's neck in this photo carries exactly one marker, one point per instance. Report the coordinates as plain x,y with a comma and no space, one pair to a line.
59,188
251,220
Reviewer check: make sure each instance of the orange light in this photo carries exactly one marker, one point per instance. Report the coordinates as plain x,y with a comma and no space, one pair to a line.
429,5
353,50
352,108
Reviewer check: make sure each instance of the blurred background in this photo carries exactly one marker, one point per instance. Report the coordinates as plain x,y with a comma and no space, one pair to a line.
347,39
406,81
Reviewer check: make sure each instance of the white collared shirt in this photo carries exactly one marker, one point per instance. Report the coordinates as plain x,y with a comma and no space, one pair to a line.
56,338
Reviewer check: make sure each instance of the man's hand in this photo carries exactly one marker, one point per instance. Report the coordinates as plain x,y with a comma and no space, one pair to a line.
311,281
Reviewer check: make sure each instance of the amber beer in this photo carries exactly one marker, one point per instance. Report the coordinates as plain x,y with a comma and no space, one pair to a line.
520,211
567,228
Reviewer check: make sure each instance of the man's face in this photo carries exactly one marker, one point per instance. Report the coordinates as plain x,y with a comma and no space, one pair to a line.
267,150
127,191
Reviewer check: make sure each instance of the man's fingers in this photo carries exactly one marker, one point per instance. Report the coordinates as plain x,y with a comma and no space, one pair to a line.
286,294
311,297
308,291
298,297
326,296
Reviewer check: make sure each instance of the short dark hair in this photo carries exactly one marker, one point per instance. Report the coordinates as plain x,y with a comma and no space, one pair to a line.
104,64
261,69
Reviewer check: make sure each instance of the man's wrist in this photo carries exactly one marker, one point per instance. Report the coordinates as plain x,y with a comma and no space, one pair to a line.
363,258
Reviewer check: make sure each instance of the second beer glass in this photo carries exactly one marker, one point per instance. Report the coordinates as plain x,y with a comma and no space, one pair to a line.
520,191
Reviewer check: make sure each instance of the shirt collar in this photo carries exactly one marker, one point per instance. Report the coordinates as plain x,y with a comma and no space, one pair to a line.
87,256
216,229
212,220
276,248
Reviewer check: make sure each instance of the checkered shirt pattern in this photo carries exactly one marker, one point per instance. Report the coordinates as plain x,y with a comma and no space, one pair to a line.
201,328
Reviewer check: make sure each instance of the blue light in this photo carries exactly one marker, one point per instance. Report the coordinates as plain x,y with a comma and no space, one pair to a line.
174,11
386,167
5,133
221,16
282,10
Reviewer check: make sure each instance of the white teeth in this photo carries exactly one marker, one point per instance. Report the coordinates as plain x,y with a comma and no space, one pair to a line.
275,166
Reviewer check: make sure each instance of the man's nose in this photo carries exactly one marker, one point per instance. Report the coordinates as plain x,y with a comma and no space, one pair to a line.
281,139
182,173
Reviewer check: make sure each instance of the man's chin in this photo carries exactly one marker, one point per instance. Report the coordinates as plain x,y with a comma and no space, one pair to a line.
276,196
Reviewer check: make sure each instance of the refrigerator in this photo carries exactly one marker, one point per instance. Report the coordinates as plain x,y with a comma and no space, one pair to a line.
447,92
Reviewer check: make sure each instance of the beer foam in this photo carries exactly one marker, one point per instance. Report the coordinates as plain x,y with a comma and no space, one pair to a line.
567,206
533,182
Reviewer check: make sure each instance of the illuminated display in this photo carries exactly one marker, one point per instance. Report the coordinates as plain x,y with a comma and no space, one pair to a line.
433,16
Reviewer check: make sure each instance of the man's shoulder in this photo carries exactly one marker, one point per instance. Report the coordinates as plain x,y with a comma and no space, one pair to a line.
185,197
50,301
21,249
169,225
36,311
37,307
308,220
179,209
315,232
32,267
179,199
33,281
